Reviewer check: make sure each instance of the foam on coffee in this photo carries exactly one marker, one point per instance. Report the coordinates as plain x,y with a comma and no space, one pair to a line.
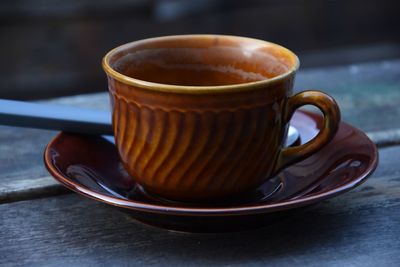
201,66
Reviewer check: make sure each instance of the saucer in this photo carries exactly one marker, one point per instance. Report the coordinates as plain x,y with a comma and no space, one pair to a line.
89,165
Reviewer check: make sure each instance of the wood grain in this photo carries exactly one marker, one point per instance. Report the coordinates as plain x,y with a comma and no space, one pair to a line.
368,95
358,228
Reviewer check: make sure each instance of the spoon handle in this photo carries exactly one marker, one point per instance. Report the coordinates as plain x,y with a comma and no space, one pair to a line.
69,119
55,117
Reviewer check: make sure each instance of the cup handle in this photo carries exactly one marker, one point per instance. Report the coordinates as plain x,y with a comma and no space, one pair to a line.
329,108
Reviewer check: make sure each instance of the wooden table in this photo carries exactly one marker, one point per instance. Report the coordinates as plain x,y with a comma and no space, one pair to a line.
43,224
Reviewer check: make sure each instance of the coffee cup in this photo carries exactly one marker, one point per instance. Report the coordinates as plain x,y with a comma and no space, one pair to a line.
203,117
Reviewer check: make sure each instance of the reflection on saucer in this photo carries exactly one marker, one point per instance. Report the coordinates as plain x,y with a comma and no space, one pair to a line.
91,166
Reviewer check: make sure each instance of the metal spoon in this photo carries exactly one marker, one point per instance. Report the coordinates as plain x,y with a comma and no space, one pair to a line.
69,119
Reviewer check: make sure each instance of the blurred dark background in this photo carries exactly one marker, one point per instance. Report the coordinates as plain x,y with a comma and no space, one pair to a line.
54,47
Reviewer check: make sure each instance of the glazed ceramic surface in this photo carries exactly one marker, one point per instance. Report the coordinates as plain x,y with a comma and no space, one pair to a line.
202,117
91,166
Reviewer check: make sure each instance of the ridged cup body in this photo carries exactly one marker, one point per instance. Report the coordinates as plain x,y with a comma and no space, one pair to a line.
199,117
188,147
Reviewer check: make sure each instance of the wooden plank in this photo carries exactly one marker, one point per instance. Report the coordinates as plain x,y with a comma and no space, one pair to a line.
21,159
364,92
368,94
23,189
359,228
385,138
22,173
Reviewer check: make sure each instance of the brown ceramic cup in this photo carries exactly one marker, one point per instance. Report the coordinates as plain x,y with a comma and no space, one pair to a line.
200,117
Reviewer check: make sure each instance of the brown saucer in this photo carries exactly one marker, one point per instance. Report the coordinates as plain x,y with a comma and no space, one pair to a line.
90,166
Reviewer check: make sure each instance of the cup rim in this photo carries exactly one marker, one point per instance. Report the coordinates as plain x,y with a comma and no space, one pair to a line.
170,88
